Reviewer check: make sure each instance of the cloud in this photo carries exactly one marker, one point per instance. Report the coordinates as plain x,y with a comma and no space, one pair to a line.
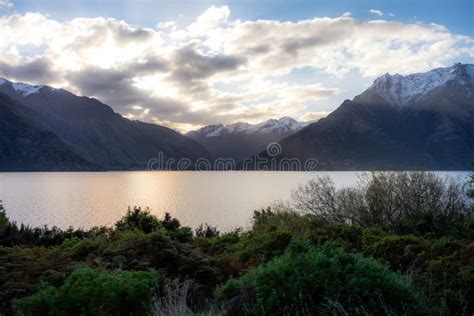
314,116
210,19
6,4
218,70
376,12
38,70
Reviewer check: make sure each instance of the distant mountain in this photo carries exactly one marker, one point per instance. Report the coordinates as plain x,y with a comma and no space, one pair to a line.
26,146
241,140
96,132
419,121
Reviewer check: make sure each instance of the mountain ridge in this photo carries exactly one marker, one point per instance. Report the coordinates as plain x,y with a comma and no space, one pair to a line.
373,132
26,146
283,125
241,140
96,132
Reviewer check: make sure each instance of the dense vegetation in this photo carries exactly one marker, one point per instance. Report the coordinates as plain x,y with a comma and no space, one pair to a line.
397,244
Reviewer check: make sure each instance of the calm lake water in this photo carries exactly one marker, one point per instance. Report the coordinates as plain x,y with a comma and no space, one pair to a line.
225,199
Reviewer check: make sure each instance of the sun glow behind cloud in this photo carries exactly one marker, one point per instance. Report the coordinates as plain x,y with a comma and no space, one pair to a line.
218,69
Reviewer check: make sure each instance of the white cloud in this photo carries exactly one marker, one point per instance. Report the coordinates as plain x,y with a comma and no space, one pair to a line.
168,25
210,19
217,70
6,4
313,116
376,12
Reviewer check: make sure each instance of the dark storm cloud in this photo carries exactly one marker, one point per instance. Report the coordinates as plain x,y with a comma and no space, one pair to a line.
190,64
191,69
115,87
35,71
118,81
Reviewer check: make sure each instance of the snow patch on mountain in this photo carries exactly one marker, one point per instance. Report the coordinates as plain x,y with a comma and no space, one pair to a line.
21,88
280,126
400,90
25,89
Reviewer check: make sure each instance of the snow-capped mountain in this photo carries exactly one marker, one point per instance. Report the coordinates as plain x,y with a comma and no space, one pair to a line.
418,121
89,128
284,125
22,89
402,90
241,140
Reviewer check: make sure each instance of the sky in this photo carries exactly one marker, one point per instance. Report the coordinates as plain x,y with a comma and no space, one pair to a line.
187,64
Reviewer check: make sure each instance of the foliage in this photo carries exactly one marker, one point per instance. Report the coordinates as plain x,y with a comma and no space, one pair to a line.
3,219
399,202
142,220
255,247
349,252
206,231
282,216
137,219
305,277
470,190
90,292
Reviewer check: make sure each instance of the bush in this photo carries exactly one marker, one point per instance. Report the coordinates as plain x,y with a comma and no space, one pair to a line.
400,252
305,278
399,202
206,231
255,247
147,223
137,219
90,292
470,189
3,219
282,216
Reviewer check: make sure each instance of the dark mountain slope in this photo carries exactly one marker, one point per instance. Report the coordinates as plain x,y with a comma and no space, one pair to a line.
99,134
25,146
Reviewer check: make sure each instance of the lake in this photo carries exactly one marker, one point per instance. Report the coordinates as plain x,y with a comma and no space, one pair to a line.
223,199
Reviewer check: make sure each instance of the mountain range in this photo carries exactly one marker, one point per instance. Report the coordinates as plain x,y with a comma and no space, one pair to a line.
92,130
242,140
418,121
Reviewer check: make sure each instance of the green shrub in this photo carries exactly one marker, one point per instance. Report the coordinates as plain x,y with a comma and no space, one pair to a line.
255,247
305,278
90,292
137,219
206,231
400,252
441,268
282,217
81,248
449,277
219,244
468,228
347,236
3,219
